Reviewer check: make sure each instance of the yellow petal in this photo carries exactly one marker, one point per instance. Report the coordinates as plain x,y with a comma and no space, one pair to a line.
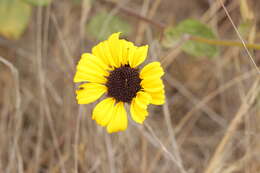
158,98
107,51
115,47
100,51
137,55
142,99
84,77
152,85
139,105
138,114
126,47
119,119
116,52
90,92
155,88
91,69
104,111
91,64
94,60
152,70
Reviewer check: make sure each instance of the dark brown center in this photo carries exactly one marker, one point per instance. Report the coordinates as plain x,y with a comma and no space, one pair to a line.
123,83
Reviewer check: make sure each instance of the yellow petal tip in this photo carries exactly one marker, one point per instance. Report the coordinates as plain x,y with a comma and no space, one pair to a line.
114,35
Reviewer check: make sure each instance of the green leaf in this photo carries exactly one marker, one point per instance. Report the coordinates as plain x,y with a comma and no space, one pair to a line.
79,2
14,18
244,28
194,28
38,2
103,24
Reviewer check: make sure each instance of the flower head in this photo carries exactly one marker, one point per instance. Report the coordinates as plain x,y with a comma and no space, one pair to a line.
112,70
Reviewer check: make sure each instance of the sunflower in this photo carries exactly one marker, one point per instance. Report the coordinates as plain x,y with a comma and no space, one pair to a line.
112,70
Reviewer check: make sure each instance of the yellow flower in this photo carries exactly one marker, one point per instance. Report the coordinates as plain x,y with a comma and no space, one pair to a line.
112,69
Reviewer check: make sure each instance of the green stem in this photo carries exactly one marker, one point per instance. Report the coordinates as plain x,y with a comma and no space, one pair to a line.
224,42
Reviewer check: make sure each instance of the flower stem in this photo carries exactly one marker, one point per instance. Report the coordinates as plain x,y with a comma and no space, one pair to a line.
224,42
162,26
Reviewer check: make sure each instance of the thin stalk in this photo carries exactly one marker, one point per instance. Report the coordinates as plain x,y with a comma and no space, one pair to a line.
224,42
162,26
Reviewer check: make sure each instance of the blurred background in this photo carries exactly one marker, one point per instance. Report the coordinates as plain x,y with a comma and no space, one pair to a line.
209,124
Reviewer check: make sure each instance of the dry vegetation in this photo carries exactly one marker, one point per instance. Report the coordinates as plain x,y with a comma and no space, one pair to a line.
210,123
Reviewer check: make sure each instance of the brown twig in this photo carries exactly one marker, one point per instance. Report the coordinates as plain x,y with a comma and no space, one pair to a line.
130,12
247,102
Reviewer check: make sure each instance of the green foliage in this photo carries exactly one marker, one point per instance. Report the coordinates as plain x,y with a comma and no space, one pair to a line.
14,18
77,1
193,28
38,2
244,28
103,24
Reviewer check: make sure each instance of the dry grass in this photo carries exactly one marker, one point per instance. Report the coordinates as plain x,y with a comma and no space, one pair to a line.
210,123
